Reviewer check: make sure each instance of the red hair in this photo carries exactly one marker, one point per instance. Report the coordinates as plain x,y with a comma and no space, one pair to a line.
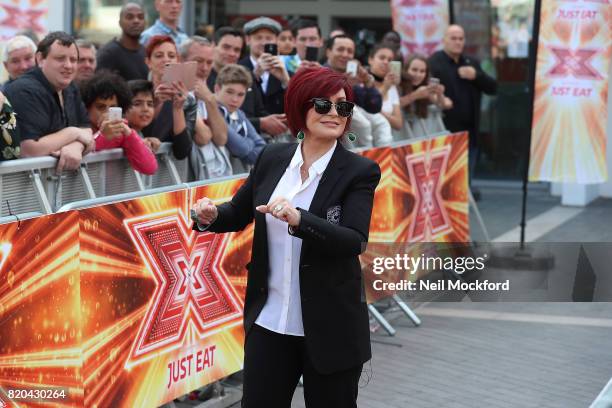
310,83
156,41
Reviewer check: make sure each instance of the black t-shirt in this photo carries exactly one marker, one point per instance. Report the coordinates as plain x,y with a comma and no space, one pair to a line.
130,64
38,108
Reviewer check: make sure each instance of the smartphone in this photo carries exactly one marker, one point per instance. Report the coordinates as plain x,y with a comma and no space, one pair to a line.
434,81
271,48
312,54
396,68
115,113
351,67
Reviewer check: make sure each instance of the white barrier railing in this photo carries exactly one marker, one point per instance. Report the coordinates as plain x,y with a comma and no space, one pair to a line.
32,185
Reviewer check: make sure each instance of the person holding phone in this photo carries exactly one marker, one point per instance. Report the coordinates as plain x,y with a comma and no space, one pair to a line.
419,89
465,82
386,81
229,43
305,312
308,42
106,96
268,69
175,109
340,51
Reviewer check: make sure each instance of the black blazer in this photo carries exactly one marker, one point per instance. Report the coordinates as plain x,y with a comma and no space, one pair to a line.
274,99
334,309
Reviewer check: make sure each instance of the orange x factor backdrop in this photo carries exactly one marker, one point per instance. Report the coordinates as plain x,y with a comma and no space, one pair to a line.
16,16
421,24
40,315
571,94
123,305
161,304
422,197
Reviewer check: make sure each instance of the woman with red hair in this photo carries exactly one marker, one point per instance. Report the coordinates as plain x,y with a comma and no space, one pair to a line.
304,312
175,109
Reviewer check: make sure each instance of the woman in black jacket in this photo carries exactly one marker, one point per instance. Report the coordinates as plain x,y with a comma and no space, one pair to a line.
305,311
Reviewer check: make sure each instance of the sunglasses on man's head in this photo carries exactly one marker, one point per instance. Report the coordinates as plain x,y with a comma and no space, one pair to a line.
323,106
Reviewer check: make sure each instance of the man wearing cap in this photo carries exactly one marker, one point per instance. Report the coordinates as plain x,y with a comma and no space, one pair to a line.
268,70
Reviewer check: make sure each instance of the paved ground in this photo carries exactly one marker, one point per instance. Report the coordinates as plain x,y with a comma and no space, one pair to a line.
501,207
594,224
515,355
483,355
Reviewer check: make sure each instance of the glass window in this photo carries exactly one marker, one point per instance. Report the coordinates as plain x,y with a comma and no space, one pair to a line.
498,33
98,20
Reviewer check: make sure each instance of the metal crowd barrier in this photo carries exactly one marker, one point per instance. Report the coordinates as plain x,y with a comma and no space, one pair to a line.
31,186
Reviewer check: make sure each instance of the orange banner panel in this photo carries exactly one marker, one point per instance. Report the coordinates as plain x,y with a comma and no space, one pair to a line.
421,24
568,142
422,197
162,305
40,313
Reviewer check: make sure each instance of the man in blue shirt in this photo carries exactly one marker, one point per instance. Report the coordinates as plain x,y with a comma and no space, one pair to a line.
167,23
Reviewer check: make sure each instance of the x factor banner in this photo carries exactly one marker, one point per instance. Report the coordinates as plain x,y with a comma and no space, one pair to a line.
20,15
571,92
161,304
40,311
421,24
422,198
120,305
124,305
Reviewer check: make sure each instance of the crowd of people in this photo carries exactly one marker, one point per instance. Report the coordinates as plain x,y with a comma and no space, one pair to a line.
63,94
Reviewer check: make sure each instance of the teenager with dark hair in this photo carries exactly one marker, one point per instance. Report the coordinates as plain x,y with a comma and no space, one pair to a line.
105,91
142,110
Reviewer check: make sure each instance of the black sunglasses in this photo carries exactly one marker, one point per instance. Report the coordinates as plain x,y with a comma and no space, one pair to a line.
323,106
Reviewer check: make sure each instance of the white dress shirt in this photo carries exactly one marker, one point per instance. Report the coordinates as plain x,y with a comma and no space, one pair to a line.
282,312
264,77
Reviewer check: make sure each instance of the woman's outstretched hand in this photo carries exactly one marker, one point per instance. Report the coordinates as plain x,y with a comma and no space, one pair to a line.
281,208
205,210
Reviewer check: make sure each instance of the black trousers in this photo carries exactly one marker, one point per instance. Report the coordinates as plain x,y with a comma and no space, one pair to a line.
273,364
